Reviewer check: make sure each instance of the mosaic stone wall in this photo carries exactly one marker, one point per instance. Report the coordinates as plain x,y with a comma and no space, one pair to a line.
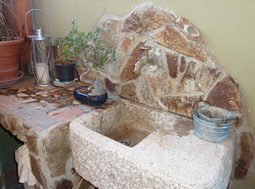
188,71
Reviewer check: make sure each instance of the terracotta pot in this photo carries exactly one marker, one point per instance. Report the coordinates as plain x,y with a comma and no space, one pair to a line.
9,59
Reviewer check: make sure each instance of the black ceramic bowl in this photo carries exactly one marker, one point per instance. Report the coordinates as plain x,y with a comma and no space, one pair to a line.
80,93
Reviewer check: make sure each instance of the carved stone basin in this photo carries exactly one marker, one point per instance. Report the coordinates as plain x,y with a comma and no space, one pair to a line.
127,133
164,152
124,123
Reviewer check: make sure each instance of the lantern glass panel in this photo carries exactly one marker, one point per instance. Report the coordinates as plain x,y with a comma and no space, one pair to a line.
41,57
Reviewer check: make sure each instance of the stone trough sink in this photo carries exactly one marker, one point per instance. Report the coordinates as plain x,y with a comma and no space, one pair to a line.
163,150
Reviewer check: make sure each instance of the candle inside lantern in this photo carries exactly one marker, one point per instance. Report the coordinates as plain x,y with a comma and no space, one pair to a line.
42,73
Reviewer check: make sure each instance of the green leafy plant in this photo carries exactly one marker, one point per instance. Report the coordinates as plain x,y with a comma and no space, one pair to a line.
77,42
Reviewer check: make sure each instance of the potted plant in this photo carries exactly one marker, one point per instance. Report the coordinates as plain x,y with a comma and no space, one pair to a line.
9,50
74,44
93,96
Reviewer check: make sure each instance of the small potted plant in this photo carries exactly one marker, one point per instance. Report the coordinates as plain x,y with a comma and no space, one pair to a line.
9,50
76,43
93,96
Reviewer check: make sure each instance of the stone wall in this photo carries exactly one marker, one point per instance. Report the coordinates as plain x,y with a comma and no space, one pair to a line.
187,71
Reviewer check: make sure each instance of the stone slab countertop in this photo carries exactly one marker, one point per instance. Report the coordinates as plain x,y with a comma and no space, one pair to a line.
40,117
170,157
24,105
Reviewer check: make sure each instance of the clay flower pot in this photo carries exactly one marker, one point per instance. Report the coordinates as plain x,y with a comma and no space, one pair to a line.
9,59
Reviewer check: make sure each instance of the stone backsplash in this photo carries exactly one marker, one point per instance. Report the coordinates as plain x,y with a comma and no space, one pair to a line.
187,71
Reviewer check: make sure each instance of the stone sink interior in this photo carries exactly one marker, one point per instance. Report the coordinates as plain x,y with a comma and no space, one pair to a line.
127,123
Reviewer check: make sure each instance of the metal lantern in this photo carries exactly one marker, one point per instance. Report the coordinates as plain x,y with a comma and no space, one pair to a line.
41,54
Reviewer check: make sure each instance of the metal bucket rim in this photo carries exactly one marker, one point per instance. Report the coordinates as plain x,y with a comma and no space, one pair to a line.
201,113
214,125
231,121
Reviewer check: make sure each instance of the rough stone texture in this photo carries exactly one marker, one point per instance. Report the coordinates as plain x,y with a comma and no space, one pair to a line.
172,62
64,184
160,83
129,91
4,122
37,171
109,85
166,158
11,123
32,144
226,95
21,129
179,57
247,153
188,82
37,186
182,105
56,149
207,78
127,72
68,114
77,180
239,120
8,102
144,93
110,35
183,64
91,76
146,18
14,124
35,117
171,37
125,44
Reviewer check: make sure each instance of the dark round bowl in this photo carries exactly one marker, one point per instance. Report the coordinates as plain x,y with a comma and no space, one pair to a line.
92,100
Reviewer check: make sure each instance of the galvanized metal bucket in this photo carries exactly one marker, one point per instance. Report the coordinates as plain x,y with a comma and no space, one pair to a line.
213,114
210,129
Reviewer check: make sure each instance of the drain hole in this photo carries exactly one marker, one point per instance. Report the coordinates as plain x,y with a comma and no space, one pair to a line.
126,142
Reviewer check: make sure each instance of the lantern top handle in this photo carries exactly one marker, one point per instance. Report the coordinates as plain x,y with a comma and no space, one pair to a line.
41,12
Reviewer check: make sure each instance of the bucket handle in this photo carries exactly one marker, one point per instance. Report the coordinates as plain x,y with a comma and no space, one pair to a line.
234,119
205,102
